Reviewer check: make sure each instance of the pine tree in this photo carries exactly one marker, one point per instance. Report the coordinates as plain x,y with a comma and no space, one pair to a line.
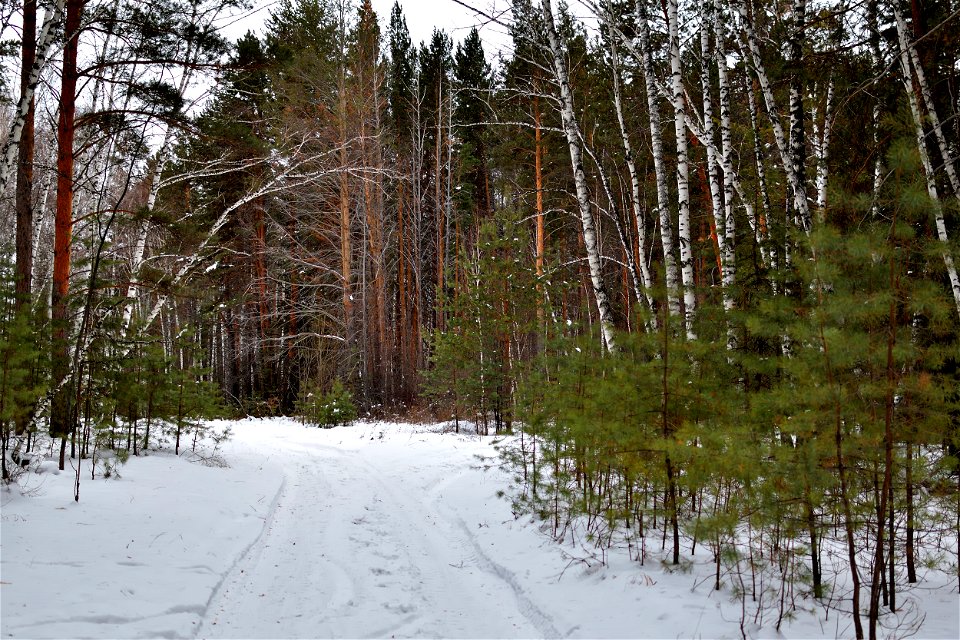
478,361
21,369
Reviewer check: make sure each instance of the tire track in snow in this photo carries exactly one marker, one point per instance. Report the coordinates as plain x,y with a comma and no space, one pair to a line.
526,606
534,615
291,577
244,555
375,556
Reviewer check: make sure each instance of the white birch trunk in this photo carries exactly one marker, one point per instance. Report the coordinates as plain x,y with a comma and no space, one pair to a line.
41,224
725,159
939,219
722,202
931,112
45,42
572,131
797,137
876,58
767,214
645,277
823,151
730,181
797,186
683,173
671,271
709,134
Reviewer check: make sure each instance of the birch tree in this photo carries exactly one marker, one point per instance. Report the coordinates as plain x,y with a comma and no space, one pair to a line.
683,169
43,49
907,71
656,142
646,279
722,201
790,149
574,141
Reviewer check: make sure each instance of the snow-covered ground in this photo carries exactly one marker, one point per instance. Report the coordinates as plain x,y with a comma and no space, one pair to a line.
372,530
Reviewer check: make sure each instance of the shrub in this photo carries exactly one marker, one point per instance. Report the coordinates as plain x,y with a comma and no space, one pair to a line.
326,409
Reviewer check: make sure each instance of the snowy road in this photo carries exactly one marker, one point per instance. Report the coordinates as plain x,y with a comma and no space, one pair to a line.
360,544
373,530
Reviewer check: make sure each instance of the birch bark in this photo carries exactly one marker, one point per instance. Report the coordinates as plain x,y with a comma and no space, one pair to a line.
683,172
797,140
823,151
794,178
572,131
906,46
44,47
876,59
645,278
671,271
931,181
767,214
709,135
730,181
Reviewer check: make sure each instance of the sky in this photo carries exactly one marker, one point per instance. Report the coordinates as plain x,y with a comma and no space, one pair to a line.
422,16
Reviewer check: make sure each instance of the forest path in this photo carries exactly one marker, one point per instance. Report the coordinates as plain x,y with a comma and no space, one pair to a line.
371,530
361,543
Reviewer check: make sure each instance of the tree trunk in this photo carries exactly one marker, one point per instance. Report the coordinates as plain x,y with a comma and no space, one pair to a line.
683,172
42,50
402,328
814,545
798,142
540,235
795,177
930,176
439,210
24,195
640,248
722,201
671,270
763,223
823,151
730,181
538,177
886,489
907,47
61,410
572,131
346,251
848,522
908,548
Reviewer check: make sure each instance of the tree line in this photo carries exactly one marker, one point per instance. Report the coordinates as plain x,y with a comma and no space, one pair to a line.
703,252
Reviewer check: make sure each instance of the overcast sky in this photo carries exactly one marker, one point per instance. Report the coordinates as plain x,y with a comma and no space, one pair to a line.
422,16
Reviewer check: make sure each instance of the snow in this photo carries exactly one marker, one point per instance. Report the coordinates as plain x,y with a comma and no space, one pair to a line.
370,530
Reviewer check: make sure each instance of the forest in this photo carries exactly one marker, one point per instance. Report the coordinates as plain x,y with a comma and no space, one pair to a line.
699,256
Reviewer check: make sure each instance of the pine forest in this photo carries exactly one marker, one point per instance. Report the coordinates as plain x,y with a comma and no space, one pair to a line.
689,268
